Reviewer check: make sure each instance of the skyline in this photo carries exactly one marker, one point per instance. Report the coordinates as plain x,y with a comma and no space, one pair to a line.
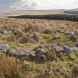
43,4
6,5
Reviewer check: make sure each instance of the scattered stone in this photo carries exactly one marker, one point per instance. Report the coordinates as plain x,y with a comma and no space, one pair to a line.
4,48
23,39
40,55
47,31
5,32
72,36
76,44
74,49
58,48
35,36
67,49
56,35
21,53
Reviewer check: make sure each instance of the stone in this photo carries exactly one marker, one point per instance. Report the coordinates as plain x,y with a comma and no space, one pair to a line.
58,48
35,36
74,49
76,44
72,36
11,52
5,32
56,35
67,49
40,58
40,55
23,39
4,48
20,53
47,31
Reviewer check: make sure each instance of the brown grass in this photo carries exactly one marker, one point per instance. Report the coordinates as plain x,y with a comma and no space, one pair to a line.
12,68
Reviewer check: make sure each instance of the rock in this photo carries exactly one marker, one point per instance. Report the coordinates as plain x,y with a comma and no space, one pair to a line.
47,31
56,35
41,50
40,55
19,53
23,39
12,52
57,51
67,49
72,36
72,33
76,44
58,48
5,32
35,36
74,49
29,38
4,48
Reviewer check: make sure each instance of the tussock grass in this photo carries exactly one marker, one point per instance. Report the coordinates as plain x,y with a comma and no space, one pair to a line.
65,66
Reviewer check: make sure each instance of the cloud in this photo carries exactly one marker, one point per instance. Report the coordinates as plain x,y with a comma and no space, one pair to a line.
44,4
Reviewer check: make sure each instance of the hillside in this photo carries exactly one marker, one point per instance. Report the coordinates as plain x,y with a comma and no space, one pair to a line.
45,14
38,48
72,11
35,12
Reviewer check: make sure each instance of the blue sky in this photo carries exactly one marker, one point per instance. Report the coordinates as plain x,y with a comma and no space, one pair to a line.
38,4
4,4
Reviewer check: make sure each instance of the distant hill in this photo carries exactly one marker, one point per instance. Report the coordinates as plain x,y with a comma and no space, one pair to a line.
72,11
46,14
30,12
35,12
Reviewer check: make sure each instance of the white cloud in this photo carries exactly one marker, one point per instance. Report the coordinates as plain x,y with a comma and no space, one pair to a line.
44,4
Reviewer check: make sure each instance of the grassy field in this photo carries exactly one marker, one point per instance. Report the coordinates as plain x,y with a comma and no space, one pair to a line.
55,40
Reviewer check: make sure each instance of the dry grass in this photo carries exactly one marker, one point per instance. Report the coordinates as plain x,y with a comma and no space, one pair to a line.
9,67
63,67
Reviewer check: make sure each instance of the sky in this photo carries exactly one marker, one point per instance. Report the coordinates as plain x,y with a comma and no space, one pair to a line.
4,4
38,4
